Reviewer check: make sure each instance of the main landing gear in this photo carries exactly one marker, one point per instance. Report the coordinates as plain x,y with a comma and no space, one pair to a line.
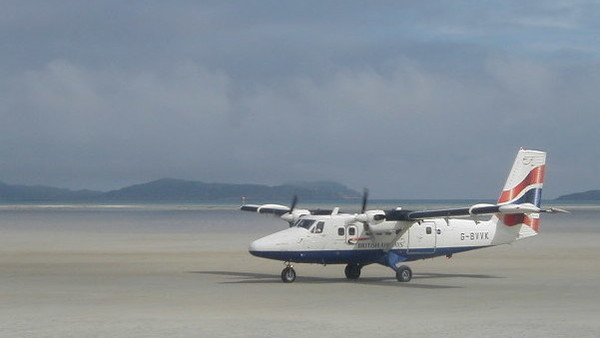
288,274
352,271
403,274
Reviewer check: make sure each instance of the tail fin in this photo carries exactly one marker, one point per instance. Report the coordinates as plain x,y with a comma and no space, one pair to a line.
524,185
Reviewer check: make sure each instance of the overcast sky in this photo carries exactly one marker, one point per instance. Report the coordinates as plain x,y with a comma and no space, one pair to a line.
413,99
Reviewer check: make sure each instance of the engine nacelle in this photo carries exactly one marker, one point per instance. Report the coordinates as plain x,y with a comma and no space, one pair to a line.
271,208
295,215
383,227
372,217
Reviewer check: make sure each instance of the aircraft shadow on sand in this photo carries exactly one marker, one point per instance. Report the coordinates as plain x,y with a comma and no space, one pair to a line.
237,277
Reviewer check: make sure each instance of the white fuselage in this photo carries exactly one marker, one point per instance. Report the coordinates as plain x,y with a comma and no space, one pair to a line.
339,239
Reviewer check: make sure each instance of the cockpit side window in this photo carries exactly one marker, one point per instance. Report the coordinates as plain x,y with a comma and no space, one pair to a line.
318,228
305,223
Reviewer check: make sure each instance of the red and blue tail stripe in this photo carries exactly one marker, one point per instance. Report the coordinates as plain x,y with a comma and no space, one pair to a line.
529,190
533,196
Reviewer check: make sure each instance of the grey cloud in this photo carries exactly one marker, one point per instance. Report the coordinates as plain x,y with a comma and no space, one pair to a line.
413,100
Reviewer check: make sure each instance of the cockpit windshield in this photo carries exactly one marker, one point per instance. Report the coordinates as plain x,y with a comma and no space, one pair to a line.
305,223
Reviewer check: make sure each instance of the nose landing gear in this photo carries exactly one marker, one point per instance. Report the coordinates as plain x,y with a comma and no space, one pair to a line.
288,274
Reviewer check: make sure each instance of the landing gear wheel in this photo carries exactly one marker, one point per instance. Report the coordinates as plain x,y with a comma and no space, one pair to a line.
288,275
352,271
404,274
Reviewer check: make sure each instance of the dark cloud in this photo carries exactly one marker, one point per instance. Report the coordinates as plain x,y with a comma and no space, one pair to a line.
413,100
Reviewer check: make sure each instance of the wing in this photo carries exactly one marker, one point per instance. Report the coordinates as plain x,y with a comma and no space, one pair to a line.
474,210
290,215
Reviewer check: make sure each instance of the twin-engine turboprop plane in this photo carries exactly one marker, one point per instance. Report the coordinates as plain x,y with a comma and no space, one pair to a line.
392,237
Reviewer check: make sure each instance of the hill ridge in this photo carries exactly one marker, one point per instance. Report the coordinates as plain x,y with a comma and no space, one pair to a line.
171,189
590,195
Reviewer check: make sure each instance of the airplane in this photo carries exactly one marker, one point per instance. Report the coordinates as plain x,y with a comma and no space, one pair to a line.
392,237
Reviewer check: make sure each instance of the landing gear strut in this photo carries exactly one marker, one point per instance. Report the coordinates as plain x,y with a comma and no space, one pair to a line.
404,274
288,274
352,271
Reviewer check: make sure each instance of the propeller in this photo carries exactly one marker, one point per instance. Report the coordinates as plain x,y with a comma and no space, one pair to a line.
362,216
369,217
291,217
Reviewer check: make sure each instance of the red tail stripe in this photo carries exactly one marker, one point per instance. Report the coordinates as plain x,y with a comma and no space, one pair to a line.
536,175
511,220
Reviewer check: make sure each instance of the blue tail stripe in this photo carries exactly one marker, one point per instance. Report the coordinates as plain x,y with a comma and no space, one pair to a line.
533,196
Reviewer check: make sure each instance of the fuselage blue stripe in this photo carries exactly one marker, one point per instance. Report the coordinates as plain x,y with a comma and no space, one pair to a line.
362,257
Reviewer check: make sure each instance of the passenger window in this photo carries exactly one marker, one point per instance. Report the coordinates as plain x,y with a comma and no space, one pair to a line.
341,231
319,228
428,230
352,231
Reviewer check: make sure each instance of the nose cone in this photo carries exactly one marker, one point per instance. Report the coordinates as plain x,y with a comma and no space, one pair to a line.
273,245
258,246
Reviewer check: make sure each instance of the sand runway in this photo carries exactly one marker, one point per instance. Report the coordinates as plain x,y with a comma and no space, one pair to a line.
122,283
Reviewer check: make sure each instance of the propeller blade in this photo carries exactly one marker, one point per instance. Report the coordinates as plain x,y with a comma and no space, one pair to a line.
364,208
364,200
294,202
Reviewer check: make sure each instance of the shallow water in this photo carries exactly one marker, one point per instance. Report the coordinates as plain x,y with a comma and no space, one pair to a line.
202,218
138,219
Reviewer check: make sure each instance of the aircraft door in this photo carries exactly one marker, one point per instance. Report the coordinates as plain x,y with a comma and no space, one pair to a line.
340,235
422,238
351,234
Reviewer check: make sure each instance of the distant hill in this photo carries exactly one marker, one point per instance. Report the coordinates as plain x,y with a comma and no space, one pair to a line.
592,195
181,190
23,193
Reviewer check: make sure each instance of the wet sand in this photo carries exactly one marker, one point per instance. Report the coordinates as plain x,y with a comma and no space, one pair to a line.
69,283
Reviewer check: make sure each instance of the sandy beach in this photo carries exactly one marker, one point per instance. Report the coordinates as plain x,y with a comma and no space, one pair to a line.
128,275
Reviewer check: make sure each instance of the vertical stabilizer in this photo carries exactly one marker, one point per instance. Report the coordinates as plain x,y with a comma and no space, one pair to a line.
524,185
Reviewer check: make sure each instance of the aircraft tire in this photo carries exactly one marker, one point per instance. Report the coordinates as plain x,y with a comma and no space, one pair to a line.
352,271
404,274
288,275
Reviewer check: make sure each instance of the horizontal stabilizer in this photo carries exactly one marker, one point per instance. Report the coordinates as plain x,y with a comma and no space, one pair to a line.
555,211
525,208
